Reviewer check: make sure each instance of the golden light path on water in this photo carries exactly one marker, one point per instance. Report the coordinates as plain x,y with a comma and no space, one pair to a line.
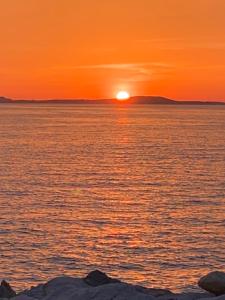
135,191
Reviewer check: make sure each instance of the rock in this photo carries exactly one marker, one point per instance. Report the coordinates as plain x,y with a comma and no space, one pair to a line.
64,283
222,297
6,291
98,286
185,296
213,282
96,278
152,291
115,291
195,296
22,297
36,292
58,283
69,288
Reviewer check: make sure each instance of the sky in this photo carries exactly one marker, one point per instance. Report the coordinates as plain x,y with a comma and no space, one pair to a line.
94,48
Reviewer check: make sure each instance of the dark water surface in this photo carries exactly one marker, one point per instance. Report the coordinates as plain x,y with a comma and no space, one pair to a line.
136,191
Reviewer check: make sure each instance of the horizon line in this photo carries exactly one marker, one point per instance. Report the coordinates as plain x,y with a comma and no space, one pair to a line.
105,99
148,99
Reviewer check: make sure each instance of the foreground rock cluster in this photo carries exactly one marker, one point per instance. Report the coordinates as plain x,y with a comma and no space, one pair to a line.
98,286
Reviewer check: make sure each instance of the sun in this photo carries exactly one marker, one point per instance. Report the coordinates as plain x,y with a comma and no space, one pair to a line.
122,95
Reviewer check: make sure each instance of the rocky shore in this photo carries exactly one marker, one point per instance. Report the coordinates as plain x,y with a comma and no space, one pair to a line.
98,286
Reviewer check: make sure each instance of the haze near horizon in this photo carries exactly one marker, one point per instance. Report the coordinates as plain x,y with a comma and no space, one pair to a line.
87,49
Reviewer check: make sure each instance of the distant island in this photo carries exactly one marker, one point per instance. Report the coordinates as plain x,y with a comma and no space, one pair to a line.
133,100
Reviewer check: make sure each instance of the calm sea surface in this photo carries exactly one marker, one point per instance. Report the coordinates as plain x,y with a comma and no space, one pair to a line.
136,191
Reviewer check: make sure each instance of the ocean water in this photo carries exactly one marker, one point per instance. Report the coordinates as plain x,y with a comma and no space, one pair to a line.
135,191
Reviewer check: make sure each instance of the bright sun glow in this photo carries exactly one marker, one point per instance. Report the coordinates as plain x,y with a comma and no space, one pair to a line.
122,95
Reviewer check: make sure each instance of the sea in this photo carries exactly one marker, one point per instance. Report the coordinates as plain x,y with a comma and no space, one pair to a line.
136,191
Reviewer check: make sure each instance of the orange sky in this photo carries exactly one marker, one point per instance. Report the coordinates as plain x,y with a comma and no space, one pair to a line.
93,48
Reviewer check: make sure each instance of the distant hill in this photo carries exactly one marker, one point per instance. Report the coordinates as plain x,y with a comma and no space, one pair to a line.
133,100
164,100
5,100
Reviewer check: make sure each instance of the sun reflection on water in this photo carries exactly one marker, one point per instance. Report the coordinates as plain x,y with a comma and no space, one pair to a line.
128,190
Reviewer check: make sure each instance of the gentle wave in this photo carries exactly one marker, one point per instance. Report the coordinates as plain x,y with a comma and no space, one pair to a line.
138,192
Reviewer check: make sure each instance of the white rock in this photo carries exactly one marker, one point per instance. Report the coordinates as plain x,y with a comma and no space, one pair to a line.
213,282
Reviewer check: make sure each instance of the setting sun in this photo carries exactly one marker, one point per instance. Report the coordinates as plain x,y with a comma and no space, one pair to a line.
122,95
